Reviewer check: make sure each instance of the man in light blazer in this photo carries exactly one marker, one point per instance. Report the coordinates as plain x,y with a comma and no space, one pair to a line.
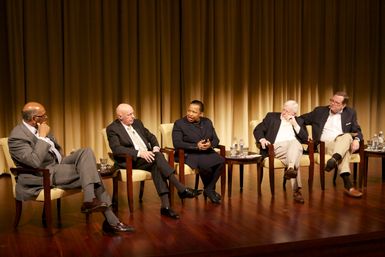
31,145
337,126
286,132
196,135
127,135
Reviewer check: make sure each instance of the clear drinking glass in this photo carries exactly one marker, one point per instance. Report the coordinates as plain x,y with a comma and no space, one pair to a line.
369,145
103,164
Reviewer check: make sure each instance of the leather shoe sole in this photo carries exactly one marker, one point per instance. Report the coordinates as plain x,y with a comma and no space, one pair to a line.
331,164
95,206
352,192
169,213
120,227
189,193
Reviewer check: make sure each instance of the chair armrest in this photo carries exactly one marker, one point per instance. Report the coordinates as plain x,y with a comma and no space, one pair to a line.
170,153
46,178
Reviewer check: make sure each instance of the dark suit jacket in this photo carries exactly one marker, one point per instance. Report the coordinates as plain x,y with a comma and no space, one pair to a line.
121,143
186,135
318,117
269,127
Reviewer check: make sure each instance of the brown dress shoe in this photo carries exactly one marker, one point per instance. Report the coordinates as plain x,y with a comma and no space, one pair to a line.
120,227
95,206
298,197
352,192
290,173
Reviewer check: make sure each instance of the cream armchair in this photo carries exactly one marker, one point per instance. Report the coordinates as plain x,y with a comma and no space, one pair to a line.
270,163
45,195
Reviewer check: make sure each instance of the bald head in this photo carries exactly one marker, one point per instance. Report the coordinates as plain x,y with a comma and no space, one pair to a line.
125,113
291,107
32,109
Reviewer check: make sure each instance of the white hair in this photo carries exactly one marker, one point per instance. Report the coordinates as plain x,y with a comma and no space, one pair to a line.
291,106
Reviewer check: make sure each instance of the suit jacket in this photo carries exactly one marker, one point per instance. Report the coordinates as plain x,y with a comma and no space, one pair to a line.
28,151
186,135
121,143
318,117
269,127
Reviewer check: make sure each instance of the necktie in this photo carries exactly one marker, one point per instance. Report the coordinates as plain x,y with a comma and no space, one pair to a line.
54,150
136,139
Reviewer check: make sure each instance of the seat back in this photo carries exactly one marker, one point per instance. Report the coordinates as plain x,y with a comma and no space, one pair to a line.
8,159
106,145
253,147
166,132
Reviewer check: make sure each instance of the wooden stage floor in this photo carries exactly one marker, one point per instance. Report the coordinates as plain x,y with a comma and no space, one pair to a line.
328,224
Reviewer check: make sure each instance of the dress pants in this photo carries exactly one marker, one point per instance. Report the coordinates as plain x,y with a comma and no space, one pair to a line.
160,171
290,152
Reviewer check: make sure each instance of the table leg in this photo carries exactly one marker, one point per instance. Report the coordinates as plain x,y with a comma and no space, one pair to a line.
230,177
241,176
115,194
223,182
383,168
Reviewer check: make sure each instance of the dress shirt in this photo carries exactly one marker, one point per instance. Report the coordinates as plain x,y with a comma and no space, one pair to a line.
285,131
136,139
332,127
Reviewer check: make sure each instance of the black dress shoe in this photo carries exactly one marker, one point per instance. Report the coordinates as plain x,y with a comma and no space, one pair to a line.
120,227
95,206
212,195
189,193
290,173
331,164
218,195
169,213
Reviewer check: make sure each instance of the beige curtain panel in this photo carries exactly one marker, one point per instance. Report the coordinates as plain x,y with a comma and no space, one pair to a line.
242,58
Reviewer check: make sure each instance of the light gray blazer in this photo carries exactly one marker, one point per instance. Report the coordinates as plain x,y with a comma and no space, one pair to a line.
28,151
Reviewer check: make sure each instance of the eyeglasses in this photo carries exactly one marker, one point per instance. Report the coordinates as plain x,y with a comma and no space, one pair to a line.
334,102
42,116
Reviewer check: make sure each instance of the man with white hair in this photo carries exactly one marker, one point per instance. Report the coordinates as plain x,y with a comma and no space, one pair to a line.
286,132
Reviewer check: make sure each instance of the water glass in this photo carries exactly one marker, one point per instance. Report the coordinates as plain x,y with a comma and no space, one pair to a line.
103,164
369,144
245,151
233,151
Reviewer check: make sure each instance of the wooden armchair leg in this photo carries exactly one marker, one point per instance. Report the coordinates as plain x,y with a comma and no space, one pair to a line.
259,179
284,184
19,207
335,176
58,209
141,190
355,167
271,177
196,181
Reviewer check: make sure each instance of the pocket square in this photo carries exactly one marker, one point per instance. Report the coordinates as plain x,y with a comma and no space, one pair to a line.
347,124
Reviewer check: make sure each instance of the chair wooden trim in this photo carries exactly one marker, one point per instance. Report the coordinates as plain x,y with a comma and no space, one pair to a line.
322,162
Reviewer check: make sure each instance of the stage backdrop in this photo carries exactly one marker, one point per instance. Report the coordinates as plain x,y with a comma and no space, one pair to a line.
242,58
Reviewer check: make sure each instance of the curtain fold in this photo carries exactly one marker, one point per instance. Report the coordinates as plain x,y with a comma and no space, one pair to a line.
242,58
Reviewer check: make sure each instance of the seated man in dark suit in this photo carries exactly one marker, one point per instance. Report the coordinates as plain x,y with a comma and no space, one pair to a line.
127,135
337,126
196,135
286,132
31,145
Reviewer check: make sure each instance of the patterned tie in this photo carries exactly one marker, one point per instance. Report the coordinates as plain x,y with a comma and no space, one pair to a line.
136,139
54,150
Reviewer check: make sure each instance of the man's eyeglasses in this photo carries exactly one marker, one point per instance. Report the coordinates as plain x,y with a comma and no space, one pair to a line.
41,116
334,102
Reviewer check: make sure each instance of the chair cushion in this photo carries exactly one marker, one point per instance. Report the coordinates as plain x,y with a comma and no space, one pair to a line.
137,175
57,193
187,169
305,162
